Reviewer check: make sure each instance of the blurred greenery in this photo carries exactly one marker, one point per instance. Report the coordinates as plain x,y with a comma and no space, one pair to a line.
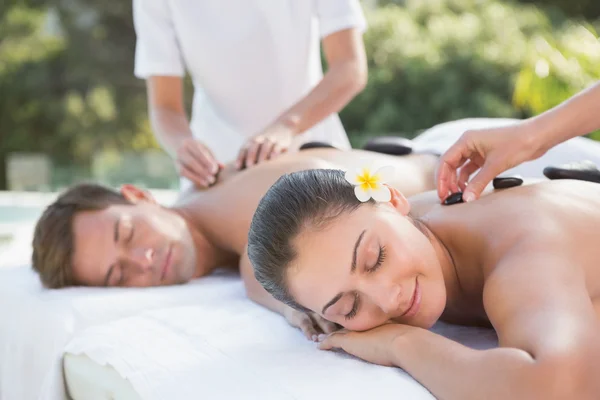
67,84
431,61
67,87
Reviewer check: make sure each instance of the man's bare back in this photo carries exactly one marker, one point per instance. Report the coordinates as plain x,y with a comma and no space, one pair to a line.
225,210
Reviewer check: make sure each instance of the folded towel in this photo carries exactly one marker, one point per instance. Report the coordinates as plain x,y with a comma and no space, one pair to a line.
226,347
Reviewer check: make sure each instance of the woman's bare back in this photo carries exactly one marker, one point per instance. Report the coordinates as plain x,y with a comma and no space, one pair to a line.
559,218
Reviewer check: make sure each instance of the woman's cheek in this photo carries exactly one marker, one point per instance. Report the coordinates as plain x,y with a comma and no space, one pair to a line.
368,321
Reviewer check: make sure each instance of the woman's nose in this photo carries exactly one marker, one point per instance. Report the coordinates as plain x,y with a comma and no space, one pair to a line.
387,297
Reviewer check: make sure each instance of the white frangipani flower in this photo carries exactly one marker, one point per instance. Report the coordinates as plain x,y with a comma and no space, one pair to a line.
370,183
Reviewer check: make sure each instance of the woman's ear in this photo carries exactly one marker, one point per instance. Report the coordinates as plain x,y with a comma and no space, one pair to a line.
399,202
135,195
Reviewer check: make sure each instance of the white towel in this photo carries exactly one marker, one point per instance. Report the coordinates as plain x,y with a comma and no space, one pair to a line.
226,347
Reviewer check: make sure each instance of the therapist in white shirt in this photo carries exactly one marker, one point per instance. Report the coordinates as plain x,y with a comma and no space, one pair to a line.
259,88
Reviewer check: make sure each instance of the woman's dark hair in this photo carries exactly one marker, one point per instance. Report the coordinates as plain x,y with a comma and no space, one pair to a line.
308,199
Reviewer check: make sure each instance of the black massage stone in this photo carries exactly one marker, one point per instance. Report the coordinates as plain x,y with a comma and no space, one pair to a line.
582,171
505,182
316,145
392,145
453,199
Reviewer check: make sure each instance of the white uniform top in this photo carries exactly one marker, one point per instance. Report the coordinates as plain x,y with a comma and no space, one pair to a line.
250,60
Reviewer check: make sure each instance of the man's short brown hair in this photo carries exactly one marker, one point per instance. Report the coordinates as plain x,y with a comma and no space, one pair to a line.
53,245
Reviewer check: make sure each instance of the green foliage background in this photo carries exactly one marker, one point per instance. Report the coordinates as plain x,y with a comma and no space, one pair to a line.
67,87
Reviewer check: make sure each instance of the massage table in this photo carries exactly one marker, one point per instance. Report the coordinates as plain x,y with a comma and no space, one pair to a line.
204,339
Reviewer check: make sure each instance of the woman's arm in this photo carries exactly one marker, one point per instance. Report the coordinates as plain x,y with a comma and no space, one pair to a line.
548,331
167,113
172,128
345,77
311,325
574,117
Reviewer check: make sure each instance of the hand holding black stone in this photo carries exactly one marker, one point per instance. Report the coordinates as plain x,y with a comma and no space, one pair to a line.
453,199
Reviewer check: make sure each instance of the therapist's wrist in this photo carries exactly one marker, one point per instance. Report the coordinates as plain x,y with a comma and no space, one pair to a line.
180,140
290,123
540,136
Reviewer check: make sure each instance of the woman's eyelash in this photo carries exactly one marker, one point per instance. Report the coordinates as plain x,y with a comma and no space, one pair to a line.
354,310
380,260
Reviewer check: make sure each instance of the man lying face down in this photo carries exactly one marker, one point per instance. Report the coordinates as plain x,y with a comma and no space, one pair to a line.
94,236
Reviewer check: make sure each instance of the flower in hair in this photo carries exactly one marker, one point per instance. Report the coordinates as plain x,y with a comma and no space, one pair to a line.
370,183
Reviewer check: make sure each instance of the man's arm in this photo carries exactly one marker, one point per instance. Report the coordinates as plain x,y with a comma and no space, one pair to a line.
311,325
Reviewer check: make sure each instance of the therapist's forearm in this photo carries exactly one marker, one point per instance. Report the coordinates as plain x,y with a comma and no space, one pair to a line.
575,117
170,127
339,85
452,371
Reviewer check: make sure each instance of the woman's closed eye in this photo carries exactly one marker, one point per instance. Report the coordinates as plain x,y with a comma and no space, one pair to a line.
354,309
375,267
380,260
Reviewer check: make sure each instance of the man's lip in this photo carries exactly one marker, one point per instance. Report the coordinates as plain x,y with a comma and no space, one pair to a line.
167,263
415,301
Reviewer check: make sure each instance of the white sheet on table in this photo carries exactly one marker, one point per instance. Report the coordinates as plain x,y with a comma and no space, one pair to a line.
225,347
36,325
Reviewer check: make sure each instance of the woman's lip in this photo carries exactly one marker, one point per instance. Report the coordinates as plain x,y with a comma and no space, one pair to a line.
415,301
167,264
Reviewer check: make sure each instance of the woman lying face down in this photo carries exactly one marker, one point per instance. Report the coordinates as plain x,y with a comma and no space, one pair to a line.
524,260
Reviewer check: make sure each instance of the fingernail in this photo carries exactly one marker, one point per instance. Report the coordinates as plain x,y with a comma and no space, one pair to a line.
214,169
314,338
468,197
321,337
211,180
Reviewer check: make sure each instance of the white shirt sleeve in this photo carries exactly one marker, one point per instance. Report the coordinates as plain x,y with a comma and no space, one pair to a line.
157,50
337,15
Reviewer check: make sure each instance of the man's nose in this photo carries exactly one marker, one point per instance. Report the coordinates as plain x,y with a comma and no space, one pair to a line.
141,257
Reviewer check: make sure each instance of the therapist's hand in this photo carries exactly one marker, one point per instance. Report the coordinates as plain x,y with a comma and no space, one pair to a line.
196,162
267,145
491,151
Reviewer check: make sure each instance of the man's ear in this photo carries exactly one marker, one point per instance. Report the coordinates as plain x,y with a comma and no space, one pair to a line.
136,195
399,202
